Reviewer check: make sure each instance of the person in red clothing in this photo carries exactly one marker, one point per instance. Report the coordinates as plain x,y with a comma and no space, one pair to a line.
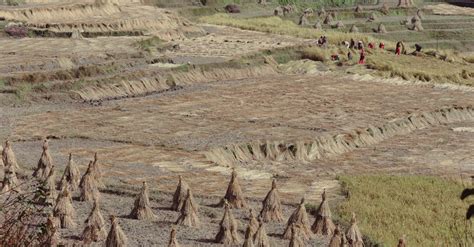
398,49
371,45
382,45
362,56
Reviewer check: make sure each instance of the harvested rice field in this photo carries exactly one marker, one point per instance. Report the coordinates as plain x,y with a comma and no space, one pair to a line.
225,114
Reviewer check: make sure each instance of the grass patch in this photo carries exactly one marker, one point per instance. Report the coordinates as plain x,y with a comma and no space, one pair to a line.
427,210
150,44
425,68
277,25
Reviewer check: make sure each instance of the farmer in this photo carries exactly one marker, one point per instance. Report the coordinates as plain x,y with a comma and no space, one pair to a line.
352,45
349,55
362,56
360,45
398,49
371,45
382,45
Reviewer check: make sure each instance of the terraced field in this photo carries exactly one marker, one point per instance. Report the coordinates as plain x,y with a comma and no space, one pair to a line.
158,96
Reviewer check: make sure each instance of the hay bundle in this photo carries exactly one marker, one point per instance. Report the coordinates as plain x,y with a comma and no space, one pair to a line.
354,29
338,25
328,19
318,25
359,8
234,195
372,17
142,209
287,9
417,26
97,172
71,175
381,28
116,237
95,226
45,164
261,237
353,234
271,205
173,242
10,181
415,19
248,242
300,219
106,2
48,193
303,20
89,191
188,215
253,223
232,8
385,9
63,210
51,234
338,238
323,223
8,157
296,237
179,195
228,234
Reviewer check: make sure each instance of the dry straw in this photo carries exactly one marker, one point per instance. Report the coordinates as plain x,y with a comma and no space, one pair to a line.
45,163
228,227
141,209
323,224
354,236
338,239
297,238
299,218
71,175
248,242
97,172
173,242
179,196
51,234
8,156
253,223
261,237
234,195
271,208
63,210
189,216
95,226
89,191
116,236
10,181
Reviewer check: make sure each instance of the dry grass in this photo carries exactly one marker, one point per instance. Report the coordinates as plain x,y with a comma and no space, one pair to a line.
277,25
427,210
424,68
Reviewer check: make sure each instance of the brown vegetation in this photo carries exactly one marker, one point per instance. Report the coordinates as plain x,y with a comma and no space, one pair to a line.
89,191
271,205
45,164
299,218
354,236
173,242
323,223
189,214
141,209
180,194
228,234
116,237
8,156
63,210
71,176
95,226
234,195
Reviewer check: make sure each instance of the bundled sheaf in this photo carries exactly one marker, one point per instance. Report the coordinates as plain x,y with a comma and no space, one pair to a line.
228,227
354,236
271,205
47,190
97,172
173,242
8,156
297,238
248,242
95,226
89,190
10,181
63,210
261,237
234,195
300,219
323,224
142,209
189,216
71,175
45,163
338,239
179,195
51,234
116,237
